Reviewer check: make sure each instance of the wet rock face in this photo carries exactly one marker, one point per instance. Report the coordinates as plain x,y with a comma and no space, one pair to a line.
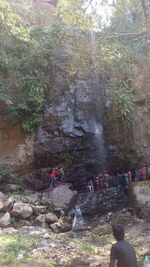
72,132
101,202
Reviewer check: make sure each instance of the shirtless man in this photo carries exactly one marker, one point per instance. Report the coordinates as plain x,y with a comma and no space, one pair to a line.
122,251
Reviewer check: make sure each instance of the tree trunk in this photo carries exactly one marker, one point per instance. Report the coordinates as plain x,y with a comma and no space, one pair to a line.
146,10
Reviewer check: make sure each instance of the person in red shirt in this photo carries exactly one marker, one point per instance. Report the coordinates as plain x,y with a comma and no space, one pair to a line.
144,172
53,178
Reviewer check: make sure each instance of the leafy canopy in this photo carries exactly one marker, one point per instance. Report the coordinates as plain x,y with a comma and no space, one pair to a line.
25,64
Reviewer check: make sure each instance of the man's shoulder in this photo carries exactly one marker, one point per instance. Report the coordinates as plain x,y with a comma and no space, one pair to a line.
120,243
114,246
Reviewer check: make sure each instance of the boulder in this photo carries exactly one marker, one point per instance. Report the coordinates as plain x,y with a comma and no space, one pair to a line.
51,218
41,209
12,187
8,204
61,197
5,220
21,210
37,210
61,226
2,198
40,220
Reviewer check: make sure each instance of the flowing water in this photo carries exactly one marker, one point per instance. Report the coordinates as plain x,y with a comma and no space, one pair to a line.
97,126
78,220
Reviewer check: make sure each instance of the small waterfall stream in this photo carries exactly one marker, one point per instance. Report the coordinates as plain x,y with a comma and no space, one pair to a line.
78,220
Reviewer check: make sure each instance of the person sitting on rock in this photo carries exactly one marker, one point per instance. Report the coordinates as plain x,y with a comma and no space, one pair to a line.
53,178
106,178
90,185
122,251
101,181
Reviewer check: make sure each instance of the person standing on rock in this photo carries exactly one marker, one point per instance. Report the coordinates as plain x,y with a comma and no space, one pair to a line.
61,175
53,177
148,173
122,251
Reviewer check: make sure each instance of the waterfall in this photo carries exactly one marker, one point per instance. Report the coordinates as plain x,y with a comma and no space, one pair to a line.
97,125
78,220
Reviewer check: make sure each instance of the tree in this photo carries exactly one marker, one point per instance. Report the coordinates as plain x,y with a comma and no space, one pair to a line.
73,13
146,9
25,64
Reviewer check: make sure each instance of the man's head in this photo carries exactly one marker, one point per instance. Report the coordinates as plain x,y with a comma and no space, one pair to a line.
118,231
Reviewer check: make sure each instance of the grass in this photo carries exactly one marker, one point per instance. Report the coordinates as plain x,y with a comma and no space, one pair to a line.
64,241
16,193
87,248
11,245
13,222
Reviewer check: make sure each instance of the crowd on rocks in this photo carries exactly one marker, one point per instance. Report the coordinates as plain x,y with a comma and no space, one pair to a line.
105,180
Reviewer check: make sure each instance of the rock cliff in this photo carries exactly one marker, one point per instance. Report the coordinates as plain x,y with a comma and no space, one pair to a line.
73,132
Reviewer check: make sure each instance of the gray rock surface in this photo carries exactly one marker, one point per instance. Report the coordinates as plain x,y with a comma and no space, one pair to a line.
8,204
22,210
2,198
51,218
5,220
60,197
40,209
72,131
40,220
63,225
12,187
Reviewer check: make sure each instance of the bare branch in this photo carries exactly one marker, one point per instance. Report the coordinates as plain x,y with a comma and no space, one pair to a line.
125,35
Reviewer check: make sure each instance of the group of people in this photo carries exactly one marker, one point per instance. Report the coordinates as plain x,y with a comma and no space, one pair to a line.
105,180
56,177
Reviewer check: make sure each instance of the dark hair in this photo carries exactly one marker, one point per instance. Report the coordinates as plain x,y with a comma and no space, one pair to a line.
118,231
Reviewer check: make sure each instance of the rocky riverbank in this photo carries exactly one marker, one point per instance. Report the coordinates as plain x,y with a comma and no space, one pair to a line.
36,228
28,208
89,246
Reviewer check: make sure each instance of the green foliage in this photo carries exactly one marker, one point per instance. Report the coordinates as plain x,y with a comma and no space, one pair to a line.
66,157
146,107
11,245
25,64
72,13
13,222
8,177
15,193
127,16
87,248
123,101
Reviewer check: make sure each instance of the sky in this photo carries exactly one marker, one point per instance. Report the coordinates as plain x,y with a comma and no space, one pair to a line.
103,11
